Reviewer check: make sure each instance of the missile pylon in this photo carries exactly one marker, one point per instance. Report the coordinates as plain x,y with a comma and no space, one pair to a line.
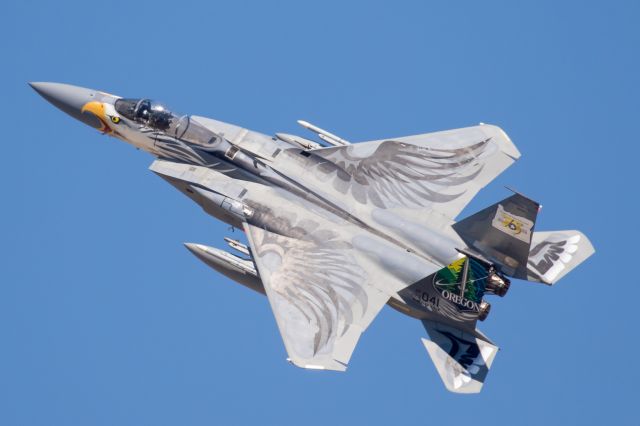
237,245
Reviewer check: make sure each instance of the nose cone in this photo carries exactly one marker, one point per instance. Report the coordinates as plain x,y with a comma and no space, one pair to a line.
71,99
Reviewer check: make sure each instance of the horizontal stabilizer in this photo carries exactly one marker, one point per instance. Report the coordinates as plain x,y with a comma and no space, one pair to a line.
553,254
462,359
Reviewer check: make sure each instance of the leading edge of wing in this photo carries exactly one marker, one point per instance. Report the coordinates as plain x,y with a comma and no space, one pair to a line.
320,296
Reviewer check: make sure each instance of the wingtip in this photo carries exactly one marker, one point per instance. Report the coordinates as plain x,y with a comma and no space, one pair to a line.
507,145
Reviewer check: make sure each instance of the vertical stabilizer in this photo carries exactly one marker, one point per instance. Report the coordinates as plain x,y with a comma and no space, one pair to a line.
502,233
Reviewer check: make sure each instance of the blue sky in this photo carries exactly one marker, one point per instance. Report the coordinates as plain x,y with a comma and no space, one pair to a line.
105,318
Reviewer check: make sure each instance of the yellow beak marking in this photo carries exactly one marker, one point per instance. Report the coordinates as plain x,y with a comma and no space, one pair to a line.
97,109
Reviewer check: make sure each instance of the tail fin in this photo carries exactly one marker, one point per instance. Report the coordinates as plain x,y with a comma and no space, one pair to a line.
553,254
502,233
462,359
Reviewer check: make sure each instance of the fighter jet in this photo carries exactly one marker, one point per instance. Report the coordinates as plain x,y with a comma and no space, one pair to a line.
337,230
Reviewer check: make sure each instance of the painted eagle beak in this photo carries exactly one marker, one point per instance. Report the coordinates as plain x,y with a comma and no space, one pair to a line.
97,108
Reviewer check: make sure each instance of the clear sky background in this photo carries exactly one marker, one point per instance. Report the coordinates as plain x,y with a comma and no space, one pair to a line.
106,319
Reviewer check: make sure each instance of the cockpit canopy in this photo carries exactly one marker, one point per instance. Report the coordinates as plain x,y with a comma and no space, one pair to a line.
150,113
156,116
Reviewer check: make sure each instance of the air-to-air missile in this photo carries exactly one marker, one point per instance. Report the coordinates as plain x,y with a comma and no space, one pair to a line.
328,137
298,141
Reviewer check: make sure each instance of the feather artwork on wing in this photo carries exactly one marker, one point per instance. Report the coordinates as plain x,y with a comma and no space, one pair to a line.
402,174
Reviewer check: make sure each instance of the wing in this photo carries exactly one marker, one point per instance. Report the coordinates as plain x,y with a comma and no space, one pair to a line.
442,170
320,295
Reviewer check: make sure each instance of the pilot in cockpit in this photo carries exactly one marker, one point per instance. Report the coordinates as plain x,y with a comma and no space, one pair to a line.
154,115
145,111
